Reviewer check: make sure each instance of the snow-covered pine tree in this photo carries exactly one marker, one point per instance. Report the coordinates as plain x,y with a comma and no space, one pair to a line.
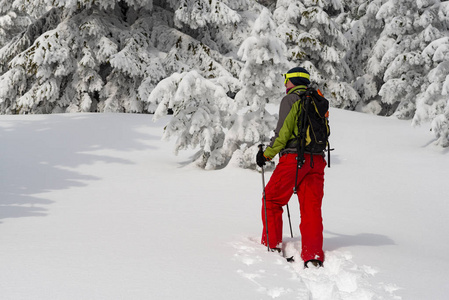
136,66
12,22
433,104
316,42
201,112
17,82
201,99
199,13
409,27
362,36
107,55
264,57
77,57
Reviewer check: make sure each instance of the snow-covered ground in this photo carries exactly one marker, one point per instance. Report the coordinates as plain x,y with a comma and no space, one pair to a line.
96,206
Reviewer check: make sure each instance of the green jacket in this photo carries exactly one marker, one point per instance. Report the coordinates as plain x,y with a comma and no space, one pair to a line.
287,127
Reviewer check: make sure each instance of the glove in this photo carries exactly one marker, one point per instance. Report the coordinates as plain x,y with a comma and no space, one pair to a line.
260,158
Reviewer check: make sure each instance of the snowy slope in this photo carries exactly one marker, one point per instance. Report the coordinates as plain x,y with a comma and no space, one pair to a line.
96,206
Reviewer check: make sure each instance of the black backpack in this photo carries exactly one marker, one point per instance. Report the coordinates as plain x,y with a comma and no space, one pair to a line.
313,124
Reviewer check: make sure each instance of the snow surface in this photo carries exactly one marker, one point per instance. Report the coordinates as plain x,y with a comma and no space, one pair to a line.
96,206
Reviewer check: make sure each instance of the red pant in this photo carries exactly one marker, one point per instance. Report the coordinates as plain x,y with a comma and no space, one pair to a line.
310,193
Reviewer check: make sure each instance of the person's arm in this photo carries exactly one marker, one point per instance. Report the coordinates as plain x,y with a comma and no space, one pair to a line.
285,126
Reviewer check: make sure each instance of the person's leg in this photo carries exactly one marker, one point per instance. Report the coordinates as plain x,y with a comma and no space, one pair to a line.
278,192
311,192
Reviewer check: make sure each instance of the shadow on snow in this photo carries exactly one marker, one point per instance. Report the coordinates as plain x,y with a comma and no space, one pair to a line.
37,154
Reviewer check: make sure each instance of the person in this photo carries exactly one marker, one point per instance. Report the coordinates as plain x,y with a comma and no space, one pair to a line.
310,178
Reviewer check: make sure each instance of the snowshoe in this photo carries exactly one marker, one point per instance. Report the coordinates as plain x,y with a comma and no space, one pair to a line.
313,263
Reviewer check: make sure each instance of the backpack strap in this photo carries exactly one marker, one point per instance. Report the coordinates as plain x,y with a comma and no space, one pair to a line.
302,131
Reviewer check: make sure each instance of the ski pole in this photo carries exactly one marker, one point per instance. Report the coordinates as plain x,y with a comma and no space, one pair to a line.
289,222
265,203
265,207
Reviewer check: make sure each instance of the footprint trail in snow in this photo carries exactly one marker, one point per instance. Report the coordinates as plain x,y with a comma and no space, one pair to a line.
274,278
